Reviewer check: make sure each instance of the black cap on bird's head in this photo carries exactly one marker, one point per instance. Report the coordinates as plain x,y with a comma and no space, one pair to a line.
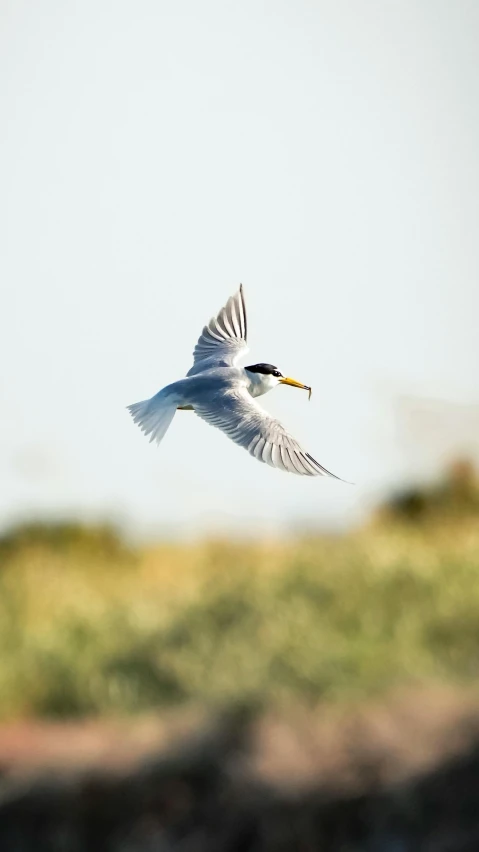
265,369
271,370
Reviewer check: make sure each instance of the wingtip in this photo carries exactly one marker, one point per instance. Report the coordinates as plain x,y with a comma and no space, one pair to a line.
339,479
244,312
327,472
346,481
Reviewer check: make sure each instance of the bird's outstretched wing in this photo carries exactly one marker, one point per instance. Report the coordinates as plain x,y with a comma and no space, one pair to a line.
223,341
237,414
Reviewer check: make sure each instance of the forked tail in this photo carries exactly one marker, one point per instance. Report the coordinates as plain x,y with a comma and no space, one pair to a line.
153,416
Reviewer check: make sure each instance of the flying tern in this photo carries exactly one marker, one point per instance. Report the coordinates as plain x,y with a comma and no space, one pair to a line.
224,395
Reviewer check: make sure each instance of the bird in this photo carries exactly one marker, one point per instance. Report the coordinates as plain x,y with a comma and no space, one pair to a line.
224,395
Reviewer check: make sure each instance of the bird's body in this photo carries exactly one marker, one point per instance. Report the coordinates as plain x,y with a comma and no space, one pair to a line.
224,394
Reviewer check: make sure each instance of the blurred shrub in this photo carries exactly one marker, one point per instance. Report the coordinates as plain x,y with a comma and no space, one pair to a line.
100,539
457,494
86,630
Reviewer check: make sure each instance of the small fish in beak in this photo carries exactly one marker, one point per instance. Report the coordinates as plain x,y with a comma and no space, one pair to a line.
287,381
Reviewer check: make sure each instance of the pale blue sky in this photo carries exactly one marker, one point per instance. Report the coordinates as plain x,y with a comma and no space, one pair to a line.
152,156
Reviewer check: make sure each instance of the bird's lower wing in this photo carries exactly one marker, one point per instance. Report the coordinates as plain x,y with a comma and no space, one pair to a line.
223,341
240,417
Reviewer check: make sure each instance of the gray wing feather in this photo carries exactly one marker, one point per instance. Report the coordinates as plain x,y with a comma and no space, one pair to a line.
223,341
240,417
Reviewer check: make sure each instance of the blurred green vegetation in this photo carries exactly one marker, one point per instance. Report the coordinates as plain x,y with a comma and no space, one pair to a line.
91,626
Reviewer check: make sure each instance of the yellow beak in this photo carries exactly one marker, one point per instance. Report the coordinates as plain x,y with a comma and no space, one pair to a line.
286,381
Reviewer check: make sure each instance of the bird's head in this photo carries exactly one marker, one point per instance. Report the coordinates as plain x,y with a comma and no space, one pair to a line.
264,377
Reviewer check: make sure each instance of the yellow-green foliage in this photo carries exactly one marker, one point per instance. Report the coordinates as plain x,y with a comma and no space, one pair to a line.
87,626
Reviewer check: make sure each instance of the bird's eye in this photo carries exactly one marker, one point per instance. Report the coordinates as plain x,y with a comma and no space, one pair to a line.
276,373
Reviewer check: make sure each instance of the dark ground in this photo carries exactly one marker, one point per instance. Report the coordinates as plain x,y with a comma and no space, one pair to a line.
393,777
